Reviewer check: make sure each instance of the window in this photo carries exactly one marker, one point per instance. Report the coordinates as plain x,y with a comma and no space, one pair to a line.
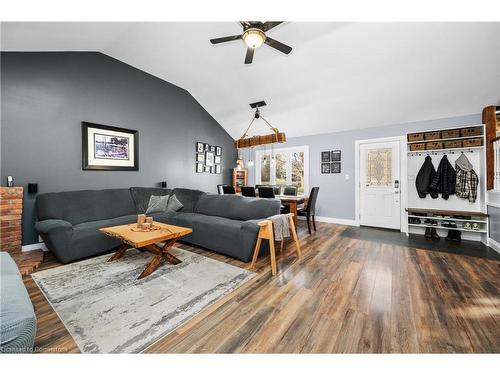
290,166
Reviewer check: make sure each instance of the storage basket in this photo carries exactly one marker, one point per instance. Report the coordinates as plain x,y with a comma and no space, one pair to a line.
470,132
434,145
415,137
432,135
453,144
417,147
474,142
452,133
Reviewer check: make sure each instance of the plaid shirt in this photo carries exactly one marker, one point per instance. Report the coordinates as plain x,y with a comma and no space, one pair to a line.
466,186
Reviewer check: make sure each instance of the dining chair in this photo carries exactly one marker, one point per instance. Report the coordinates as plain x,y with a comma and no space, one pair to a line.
310,209
266,192
290,190
219,188
277,189
248,191
228,189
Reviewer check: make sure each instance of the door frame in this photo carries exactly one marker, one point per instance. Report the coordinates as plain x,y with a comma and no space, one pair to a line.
403,186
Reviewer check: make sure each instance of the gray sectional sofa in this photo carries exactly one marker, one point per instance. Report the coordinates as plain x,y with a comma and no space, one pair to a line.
17,317
68,222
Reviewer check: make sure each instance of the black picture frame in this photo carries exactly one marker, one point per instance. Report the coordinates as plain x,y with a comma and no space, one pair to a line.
335,167
199,168
336,155
85,156
325,156
218,150
200,147
218,169
217,159
325,168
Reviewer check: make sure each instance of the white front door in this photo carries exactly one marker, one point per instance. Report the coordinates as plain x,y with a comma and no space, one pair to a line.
379,190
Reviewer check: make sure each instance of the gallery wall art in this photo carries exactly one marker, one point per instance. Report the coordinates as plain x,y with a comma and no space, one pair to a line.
331,161
208,158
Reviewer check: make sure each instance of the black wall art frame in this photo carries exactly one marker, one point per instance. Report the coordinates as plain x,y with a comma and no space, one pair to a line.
109,148
208,158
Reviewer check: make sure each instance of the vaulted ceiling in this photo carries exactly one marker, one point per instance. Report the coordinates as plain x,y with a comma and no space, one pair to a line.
339,75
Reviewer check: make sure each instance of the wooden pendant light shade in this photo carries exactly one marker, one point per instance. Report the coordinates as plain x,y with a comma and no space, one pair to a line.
257,140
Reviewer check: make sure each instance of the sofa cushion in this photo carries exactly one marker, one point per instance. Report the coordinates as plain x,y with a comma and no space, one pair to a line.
141,196
237,207
173,204
17,317
188,197
128,219
85,205
157,204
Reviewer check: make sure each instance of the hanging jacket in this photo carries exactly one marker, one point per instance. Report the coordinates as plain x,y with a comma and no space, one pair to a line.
467,180
424,178
445,179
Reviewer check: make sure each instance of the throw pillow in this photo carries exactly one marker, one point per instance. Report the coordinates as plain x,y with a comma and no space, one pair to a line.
157,204
174,204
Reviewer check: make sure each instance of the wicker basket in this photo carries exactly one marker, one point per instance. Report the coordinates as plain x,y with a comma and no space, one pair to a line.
434,145
429,136
471,132
452,133
453,144
417,147
474,142
415,137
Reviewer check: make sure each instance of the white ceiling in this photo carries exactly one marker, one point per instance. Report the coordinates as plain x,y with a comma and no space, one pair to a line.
339,75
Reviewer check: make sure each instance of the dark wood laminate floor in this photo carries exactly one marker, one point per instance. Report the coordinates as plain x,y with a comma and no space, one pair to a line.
355,290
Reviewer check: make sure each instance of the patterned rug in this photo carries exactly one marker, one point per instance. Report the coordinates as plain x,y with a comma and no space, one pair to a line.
107,310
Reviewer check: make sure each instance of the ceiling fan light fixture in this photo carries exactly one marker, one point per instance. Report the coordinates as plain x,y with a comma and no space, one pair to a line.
254,38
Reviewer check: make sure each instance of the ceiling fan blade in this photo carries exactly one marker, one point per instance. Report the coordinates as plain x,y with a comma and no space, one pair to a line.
225,39
249,55
268,25
278,45
245,24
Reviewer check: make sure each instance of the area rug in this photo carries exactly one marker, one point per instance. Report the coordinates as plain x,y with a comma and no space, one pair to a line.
107,310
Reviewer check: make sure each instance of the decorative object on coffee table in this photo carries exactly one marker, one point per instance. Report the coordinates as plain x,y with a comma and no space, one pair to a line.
108,148
148,241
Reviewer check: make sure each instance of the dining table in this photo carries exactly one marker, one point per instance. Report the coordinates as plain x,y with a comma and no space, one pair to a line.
292,202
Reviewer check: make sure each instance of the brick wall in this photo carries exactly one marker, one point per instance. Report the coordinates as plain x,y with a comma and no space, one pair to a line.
11,208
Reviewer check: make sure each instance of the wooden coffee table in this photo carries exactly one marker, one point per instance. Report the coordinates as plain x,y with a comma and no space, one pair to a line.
147,241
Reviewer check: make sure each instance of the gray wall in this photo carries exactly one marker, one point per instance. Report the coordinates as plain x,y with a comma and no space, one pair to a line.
45,96
336,197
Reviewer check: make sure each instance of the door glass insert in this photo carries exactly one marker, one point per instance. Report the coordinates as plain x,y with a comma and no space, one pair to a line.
379,167
265,170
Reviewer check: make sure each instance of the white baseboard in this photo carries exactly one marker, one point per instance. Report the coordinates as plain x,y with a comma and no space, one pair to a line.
333,220
494,245
34,246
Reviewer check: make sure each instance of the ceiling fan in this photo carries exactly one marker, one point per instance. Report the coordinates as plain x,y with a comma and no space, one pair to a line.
254,35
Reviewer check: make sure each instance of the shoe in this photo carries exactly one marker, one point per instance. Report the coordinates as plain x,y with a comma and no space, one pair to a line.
445,223
434,222
428,233
475,226
428,222
414,220
449,224
434,234
467,225
454,235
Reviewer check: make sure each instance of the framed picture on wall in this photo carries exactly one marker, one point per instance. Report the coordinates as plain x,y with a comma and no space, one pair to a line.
199,168
335,167
109,148
207,169
325,156
217,160
218,150
336,155
207,147
325,167
200,158
200,147
217,169
209,158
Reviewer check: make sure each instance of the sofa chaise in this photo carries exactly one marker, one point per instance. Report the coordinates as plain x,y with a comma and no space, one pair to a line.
17,317
68,222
